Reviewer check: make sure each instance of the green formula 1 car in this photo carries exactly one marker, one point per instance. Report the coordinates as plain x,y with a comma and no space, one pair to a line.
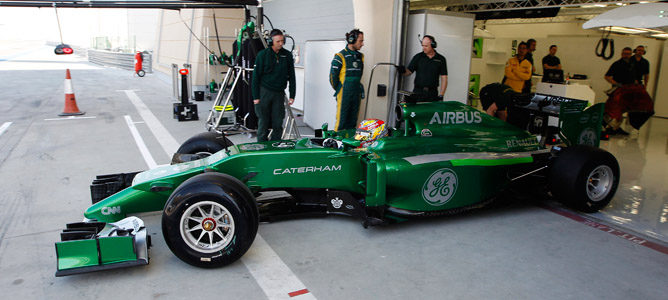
446,158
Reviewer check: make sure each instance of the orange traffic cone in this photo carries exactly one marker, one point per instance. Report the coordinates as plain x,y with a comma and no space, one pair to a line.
71,108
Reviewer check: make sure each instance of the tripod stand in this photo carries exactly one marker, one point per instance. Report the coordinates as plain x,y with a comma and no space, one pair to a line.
218,119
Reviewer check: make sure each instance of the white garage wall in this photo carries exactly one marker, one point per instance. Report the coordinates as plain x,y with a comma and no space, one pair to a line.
661,100
307,20
454,34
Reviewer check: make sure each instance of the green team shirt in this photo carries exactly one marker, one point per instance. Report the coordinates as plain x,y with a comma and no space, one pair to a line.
428,70
273,71
347,65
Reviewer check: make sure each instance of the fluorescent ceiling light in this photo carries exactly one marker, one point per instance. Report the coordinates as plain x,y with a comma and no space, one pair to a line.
625,30
660,35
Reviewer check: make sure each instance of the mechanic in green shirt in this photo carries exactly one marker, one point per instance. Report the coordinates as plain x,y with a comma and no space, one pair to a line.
430,66
344,76
274,68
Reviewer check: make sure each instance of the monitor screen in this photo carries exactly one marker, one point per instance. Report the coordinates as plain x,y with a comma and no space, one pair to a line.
553,76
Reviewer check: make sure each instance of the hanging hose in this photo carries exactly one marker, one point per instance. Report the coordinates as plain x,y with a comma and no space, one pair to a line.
58,21
215,26
270,24
602,46
191,32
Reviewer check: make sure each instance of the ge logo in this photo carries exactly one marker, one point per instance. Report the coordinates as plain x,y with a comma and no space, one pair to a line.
440,187
587,137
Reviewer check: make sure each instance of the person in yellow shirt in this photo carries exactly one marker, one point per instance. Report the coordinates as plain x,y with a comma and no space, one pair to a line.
518,69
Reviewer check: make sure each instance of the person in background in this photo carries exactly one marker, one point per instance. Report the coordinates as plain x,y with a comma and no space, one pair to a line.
344,77
640,66
495,99
518,69
274,68
621,71
551,61
531,44
626,96
430,68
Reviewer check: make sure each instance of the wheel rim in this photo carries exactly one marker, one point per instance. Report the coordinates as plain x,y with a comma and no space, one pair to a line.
599,183
207,227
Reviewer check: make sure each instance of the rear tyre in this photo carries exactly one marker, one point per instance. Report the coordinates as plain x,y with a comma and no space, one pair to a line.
200,146
210,220
584,178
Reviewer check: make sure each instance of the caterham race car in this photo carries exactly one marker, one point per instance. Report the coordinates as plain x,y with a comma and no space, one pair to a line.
441,158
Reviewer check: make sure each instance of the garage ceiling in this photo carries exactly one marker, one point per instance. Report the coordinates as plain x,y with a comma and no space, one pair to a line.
562,10
168,4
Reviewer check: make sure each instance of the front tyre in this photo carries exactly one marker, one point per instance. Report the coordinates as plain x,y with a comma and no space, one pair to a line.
200,146
584,178
210,220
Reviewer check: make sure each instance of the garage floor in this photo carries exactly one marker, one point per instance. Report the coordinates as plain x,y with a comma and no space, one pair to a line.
511,250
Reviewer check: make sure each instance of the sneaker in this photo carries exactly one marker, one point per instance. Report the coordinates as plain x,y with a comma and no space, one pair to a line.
605,135
620,131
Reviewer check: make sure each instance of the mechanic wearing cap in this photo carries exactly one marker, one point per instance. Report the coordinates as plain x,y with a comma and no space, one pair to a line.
274,68
344,76
518,69
430,66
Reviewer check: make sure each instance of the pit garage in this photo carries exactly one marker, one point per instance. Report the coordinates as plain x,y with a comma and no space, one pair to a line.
130,164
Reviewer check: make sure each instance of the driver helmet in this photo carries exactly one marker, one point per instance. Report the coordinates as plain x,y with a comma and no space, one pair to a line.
369,131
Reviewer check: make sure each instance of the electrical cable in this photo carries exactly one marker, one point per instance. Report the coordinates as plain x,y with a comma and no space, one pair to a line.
191,32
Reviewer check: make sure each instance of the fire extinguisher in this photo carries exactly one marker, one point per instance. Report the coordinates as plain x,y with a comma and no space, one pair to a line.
139,59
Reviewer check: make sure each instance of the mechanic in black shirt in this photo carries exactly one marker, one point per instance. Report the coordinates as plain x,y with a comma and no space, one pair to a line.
621,72
640,65
550,61
430,66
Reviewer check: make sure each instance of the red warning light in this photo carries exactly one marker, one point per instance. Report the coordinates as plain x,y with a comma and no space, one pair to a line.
183,71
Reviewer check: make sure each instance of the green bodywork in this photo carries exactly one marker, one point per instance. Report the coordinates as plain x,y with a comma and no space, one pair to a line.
449,155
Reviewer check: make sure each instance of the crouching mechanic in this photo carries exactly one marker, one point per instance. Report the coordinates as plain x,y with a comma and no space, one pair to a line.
274,68
344,76
495,99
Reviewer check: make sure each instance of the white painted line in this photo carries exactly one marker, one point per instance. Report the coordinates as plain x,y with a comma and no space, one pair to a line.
140,144
69,118
4,127
165,139
274,277
270,272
